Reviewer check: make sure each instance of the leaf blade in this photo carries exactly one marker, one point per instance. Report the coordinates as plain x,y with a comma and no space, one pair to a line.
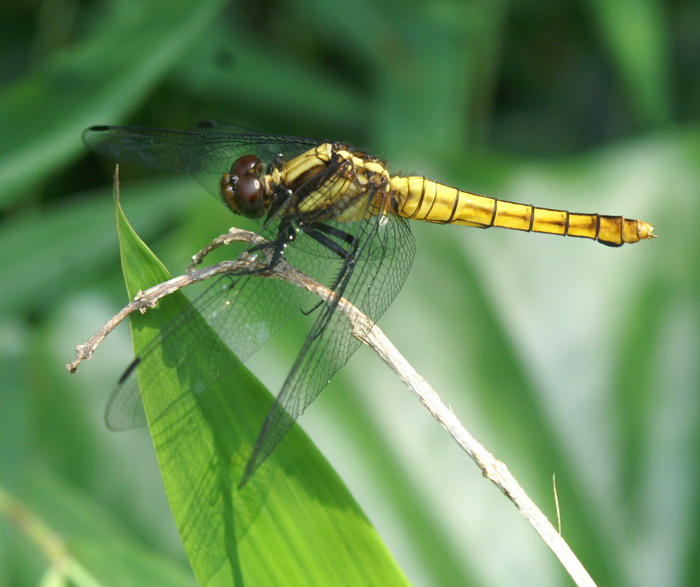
202,443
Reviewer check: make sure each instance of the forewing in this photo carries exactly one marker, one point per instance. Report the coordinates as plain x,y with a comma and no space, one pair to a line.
209,148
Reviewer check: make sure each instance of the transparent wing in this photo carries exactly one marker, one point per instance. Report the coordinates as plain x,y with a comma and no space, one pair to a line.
245,311
382,262
208,148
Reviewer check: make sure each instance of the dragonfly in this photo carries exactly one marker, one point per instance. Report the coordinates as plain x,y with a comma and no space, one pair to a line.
334,212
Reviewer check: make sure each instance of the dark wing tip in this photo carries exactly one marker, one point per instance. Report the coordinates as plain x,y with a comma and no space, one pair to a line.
129,370
95,133
93,129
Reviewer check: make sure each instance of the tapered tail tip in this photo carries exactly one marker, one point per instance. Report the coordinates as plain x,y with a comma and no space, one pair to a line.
646,230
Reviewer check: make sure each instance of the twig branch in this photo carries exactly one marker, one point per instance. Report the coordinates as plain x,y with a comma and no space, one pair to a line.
493,469
149,298
367,332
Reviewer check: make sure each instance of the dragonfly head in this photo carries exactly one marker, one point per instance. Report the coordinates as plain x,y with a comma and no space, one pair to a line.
241,188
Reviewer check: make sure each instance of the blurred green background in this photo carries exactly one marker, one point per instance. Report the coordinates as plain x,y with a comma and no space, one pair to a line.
562,356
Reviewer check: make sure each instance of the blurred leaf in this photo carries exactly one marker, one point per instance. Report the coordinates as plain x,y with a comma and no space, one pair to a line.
72,533
59,248
637,35
106,76
14,402
241,87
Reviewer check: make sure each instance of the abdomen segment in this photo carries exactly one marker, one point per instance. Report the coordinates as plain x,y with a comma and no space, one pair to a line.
419,198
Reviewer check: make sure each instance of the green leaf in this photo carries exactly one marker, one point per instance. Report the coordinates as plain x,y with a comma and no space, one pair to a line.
294,522
637,35
82,242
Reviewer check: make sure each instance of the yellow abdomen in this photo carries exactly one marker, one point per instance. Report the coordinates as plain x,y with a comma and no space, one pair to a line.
419,198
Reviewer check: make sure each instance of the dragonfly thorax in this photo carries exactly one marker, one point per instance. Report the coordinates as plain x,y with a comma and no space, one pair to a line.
332,181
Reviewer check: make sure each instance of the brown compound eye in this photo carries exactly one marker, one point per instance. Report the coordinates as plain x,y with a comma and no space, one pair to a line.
246,164
242,189
249,196
228,191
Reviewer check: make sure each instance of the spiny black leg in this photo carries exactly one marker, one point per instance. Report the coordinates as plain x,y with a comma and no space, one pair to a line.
336,232
330,244
348,257
316,231
285,235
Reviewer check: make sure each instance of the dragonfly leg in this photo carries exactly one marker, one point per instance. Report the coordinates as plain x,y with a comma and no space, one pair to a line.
320,233
285,235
